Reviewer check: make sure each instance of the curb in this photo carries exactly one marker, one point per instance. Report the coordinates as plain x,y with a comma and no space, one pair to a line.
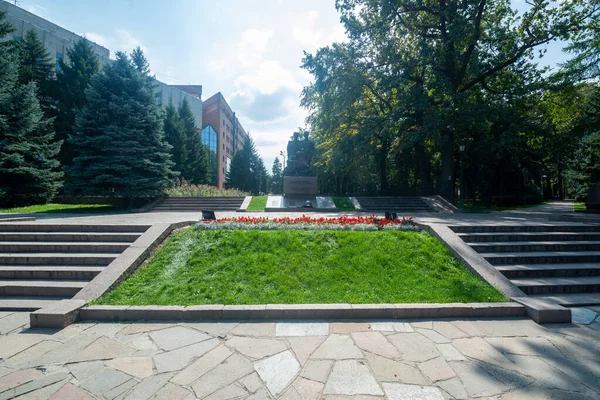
16,219
301,311
245,204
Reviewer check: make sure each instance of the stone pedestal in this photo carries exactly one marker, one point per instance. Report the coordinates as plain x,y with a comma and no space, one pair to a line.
299,185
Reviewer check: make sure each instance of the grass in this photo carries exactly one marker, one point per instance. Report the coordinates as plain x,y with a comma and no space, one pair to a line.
343,203
59,208
181,188
579,206
258,203
302,267
482,207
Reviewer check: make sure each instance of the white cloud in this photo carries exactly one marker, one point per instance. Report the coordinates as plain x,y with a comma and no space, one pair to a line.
252,46
305,32
126,42
97,38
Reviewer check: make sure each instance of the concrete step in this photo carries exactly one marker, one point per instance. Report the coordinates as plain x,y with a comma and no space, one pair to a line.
27,303
545,257
33,227
95,259
584,284
572,300
61,247
41,287
49,272
498,247
484,237
549,270
524,228
192,208
104,237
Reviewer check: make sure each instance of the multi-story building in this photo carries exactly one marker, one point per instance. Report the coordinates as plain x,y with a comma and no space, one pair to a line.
221,122
57,40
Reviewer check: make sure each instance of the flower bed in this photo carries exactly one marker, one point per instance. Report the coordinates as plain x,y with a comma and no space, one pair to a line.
305,222
182,188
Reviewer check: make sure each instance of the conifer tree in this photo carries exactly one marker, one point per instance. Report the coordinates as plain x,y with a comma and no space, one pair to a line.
119,140
72,80
277,176
29,173
175,135
247,171
36,64
196,169
140,61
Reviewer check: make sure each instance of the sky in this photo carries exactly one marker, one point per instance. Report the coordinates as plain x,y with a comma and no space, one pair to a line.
249,50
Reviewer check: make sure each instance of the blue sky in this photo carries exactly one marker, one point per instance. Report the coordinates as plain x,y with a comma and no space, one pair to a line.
249,50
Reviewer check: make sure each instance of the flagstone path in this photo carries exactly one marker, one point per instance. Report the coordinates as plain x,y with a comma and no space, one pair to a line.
433,360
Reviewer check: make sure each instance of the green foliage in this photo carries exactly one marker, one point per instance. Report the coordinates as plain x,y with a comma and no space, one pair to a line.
181,188
277,177
119,138
301,267
343,204
37,65
175,135
60,208
390,107
196,167
28,169
247,171
72,81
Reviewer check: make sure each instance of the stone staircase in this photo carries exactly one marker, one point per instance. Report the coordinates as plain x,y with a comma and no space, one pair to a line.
557,262
197,204
41,264
402,205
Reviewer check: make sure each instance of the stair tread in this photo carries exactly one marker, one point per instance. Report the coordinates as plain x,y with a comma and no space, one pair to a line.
91,268
558,281
541,254
60,254
488,234
44,283
27,303
549,267
534,243
2,242
574,299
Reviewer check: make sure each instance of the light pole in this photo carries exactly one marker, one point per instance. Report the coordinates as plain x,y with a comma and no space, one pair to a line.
543,177
462,175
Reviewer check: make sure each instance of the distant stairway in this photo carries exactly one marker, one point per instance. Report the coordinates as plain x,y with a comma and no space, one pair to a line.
401,205
558,262
41,264
197,204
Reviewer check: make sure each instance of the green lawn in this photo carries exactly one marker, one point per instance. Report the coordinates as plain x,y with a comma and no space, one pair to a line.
343,203
59,208
579,206
258,203
284,267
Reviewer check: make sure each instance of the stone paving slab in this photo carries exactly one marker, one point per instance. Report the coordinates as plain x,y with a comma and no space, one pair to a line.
502,358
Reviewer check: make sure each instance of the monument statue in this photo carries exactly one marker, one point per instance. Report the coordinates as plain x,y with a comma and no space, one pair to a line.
300,154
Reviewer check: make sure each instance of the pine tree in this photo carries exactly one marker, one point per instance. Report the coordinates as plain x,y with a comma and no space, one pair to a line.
28,170
175,135
140,61
247,171
277,176
72,80
120,146
196,169
5,29
36,64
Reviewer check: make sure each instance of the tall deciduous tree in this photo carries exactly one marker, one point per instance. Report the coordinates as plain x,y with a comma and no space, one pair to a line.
119,140
72,80
196,168
37,65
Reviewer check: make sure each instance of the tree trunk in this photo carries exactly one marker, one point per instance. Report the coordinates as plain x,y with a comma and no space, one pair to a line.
561,194
383,172
447,173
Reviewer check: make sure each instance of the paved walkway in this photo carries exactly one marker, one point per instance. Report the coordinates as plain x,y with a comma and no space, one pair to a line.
455,359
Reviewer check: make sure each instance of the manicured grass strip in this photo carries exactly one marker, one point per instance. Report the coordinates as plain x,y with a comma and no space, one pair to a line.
579,206
343,203
285,267
59,208
258,203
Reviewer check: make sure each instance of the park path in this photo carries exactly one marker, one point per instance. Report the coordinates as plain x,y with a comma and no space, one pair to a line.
440,359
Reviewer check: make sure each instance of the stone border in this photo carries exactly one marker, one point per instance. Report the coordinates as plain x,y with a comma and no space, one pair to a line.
440,204
149,206
301,311
16,219
356,203
541,311
64,312
245,204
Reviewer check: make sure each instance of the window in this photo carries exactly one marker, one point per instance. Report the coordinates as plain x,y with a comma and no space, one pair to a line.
160,98
59,57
